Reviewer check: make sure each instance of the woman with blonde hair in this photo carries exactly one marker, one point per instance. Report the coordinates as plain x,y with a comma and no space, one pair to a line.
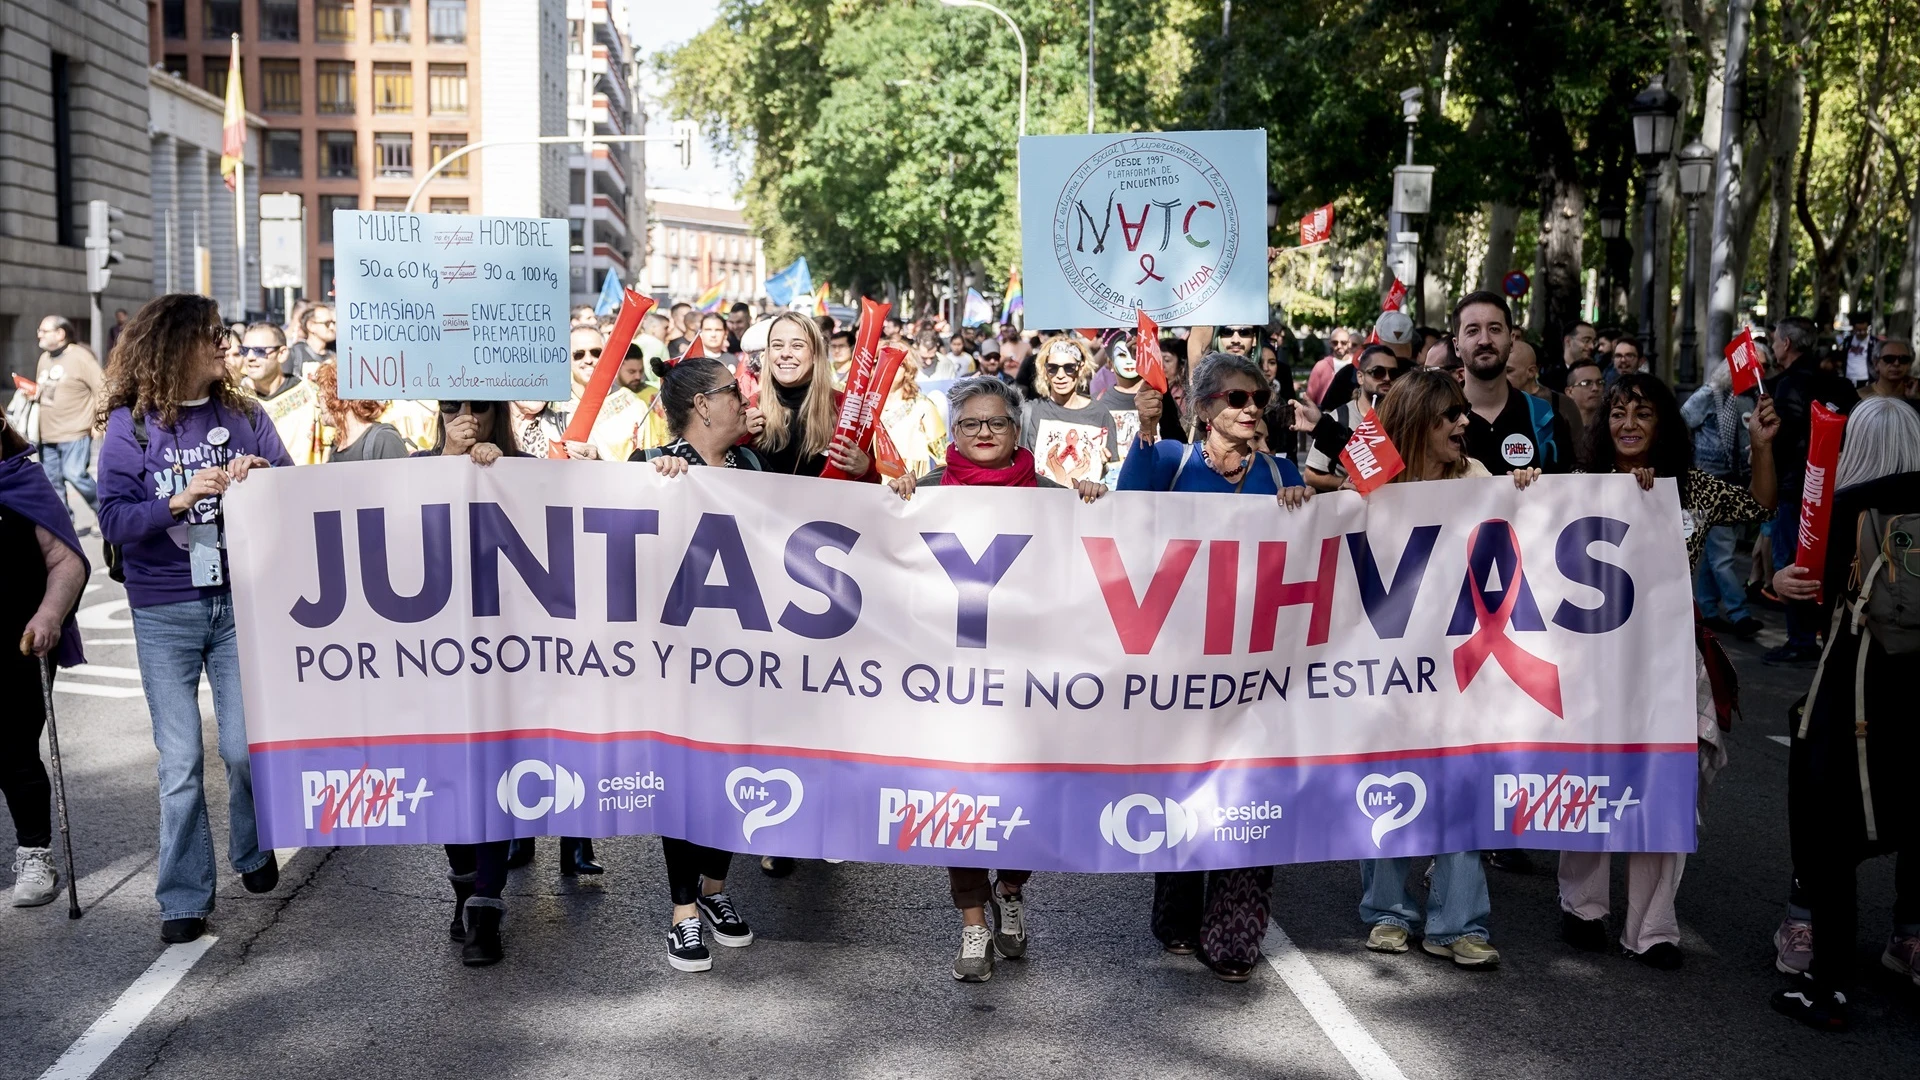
913,422
793,418
1071,435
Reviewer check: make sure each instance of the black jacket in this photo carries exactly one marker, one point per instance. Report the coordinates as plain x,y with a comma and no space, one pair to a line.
1794,392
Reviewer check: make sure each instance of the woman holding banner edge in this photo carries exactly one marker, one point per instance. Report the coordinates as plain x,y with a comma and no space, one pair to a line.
1221,914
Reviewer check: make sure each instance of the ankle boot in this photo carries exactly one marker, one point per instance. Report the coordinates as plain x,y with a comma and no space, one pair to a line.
576,857
462,888
484,914
519,853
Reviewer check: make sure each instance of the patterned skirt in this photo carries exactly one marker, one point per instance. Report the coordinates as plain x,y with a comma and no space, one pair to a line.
1223,911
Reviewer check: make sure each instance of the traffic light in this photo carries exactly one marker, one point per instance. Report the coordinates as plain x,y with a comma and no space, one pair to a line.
102,255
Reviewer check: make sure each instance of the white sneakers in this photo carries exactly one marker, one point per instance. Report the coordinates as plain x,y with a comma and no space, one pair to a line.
35,881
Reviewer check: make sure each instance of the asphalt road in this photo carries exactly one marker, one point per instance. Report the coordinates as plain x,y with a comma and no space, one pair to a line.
345,969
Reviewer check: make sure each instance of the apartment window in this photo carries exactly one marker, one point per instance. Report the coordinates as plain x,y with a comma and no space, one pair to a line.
279,20
392,23
173,19
447,22
279,85
393,89
337,154
219,19
446,206
333,87
63,225
326,279
440,145
391,204
393,153
573,36
447,89
216,80
175,65
283,154
333,22
330,203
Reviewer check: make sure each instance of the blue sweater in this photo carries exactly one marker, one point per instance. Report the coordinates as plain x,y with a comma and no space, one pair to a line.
1152,468
135,486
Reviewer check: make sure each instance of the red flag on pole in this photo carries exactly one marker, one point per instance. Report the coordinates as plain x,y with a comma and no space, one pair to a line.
1316,227
1370,458
1743,358
1146,353
633,308
1396,296
698,348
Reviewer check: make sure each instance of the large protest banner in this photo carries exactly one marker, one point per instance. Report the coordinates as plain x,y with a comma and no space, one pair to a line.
1170,222
451,306
437,652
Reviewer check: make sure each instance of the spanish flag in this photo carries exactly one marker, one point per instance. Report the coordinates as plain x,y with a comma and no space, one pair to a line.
709,300
820,299
233,136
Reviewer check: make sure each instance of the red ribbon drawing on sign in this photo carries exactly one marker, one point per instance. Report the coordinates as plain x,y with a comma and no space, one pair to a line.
1146,263
1539,678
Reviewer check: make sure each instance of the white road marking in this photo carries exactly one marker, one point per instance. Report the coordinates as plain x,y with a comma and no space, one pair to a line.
99,1041
1324,1005
106,671
111,615
68,686
106,641
1781,739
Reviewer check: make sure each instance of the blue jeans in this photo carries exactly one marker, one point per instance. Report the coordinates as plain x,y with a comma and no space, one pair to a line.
1802,616
71,463
174,642
1717,588
1457,902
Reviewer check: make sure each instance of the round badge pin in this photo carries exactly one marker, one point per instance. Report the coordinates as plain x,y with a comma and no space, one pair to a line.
218,436
1517,450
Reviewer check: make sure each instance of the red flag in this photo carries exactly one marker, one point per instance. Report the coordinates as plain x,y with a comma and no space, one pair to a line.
886,456
1816,499
1743,357
744,378
1317,226
633,308
1370,458
1146,353
1396,296
698,348
868,381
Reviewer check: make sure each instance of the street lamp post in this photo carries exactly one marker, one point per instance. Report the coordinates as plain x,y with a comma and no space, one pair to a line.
1612,219
1089,67
1653,112
1696,175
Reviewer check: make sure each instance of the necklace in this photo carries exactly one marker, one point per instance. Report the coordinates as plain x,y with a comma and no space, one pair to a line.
1207,456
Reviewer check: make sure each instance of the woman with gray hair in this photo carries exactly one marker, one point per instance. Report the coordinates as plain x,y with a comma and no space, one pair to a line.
1221,914
1856,737
986,452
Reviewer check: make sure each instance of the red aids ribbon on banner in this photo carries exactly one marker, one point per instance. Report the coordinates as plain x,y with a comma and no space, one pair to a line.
1743,358
1316,227
1396,296
1816,498
1146,352
633,308
1370,458
868,382
1539,678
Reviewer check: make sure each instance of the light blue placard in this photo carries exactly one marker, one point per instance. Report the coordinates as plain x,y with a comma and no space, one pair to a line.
451,306
1172,221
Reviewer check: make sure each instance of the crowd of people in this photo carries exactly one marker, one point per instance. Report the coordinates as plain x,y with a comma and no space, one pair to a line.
187,405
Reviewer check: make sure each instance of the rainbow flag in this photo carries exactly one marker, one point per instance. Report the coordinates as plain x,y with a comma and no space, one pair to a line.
709,300
1016,303
820,299
233,125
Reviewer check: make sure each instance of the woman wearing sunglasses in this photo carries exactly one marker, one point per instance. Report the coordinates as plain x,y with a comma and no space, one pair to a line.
708,423
1376,370
1071,435
1222,914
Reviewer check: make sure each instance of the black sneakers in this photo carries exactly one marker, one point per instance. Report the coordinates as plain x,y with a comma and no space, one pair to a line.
729,928
180,931
1587,935
1825,1010
265,878
685,950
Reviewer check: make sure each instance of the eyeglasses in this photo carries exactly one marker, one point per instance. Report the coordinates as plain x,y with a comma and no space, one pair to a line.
1453,413
452,408
221,334
1063,369
973,425
258,352
1237,399
582,354
1239,331
1583,384
721,389
1383,373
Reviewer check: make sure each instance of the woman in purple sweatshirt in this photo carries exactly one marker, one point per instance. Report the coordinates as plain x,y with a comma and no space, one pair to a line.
178,432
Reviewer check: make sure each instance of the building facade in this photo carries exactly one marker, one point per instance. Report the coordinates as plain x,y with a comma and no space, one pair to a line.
362,97
193,218
696,242
73,123
601,91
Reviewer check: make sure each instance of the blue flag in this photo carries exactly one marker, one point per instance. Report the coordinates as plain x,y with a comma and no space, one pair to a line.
795,280
610,294
978,311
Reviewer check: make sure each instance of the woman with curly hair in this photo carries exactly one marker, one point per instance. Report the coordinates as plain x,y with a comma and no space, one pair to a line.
179,432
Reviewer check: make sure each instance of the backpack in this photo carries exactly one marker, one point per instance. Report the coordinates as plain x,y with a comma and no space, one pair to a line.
1547,451
110,552
1889,603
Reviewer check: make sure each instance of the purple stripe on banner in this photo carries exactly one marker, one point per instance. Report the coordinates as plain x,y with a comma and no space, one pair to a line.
810,807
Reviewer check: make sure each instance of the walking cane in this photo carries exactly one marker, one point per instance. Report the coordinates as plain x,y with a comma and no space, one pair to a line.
59,784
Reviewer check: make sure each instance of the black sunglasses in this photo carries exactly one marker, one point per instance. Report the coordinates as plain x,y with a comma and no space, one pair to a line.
1237,399
1064,369
452,408
1239,331
1381,372
1453,413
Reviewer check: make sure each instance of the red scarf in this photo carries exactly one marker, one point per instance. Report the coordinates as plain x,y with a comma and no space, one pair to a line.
964,472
